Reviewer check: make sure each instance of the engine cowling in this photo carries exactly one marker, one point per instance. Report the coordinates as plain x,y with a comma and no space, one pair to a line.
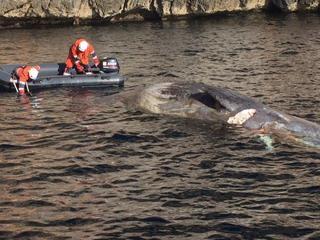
109,65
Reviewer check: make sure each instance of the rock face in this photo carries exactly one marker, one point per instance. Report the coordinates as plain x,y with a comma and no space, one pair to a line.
295,5
77,11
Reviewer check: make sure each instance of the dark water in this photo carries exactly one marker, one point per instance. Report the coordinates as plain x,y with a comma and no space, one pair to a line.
74,164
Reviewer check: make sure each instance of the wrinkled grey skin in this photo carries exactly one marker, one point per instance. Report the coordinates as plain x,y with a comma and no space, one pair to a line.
210,103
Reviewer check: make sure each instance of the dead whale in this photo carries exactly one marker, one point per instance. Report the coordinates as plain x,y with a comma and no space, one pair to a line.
212,103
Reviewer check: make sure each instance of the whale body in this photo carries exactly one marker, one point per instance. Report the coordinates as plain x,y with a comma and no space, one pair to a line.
212,103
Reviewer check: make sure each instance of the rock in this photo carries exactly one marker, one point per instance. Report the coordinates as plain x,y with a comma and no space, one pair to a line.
295,5
105,9
78,11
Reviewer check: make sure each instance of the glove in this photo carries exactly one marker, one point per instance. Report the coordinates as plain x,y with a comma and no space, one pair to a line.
86,68
80,68
96,62
21,91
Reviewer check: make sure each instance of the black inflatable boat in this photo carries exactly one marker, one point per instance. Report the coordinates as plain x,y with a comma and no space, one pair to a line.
51,76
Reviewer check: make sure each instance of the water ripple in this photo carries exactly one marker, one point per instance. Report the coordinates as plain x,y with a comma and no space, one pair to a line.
78,164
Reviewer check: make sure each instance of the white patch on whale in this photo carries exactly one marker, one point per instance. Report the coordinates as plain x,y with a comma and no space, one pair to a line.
242,117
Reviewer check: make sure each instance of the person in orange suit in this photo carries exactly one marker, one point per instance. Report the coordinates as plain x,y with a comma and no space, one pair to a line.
24,74
78,57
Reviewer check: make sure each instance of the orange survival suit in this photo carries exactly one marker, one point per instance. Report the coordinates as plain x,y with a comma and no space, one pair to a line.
24,74
80,59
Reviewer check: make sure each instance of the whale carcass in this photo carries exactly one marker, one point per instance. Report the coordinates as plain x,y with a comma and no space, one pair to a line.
212,103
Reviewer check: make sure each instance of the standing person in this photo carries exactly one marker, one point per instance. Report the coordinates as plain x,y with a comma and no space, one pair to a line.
78,57
24,74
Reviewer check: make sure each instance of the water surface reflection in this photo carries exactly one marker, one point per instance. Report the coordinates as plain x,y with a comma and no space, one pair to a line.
78,164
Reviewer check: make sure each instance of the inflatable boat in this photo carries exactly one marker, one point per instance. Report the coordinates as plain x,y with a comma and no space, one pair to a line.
51,76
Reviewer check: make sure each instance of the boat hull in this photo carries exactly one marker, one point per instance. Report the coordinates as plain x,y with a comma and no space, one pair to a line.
51,76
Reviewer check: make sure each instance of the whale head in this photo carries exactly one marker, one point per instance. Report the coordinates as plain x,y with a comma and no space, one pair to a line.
188,101
197,101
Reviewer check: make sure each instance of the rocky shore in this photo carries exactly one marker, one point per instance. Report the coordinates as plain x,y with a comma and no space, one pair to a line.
20,13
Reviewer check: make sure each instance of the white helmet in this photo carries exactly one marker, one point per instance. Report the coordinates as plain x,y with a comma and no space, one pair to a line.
33,73
83,46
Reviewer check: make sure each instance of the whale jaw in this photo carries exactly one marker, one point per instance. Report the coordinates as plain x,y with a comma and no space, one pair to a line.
181,101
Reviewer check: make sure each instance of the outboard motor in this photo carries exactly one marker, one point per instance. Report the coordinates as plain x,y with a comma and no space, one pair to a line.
109,65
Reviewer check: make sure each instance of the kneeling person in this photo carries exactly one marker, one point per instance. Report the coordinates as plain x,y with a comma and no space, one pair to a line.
78,57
